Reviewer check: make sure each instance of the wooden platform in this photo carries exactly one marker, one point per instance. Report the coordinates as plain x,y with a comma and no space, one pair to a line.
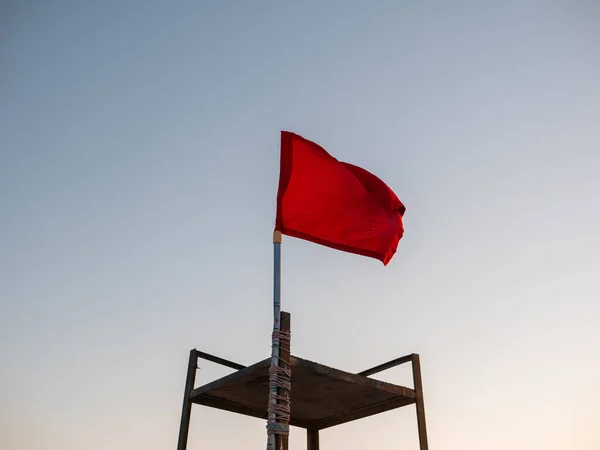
321,396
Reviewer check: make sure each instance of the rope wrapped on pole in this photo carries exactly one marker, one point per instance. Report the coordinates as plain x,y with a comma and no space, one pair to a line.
280,378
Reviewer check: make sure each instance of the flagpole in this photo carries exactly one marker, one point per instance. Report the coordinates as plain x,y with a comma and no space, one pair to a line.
273,390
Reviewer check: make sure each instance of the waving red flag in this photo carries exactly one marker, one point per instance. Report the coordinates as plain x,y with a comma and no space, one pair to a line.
336,204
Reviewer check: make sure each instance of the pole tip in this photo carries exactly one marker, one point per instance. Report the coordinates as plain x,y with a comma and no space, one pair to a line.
276,237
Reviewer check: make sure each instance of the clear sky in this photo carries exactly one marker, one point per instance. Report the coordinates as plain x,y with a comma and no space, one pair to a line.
139,152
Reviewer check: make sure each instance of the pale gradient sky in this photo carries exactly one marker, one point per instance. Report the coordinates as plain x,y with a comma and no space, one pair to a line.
139,152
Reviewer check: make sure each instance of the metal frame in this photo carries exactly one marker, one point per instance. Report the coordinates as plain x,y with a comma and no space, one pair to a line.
415,361
186,410
312,435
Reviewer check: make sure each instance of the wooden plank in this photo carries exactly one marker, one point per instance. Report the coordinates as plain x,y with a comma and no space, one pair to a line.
361,413
186,409
240,408
231,406
321,395
419,403
282,442
312,439
250,372
359,380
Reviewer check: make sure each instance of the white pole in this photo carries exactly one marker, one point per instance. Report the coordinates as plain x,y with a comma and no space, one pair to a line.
276,324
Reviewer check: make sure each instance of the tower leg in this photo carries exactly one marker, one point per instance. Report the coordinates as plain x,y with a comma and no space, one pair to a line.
186,410
312,439
420,405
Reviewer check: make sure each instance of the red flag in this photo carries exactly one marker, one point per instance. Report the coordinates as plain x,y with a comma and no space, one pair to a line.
336,204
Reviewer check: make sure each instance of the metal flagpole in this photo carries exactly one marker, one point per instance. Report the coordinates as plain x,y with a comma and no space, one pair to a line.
273,390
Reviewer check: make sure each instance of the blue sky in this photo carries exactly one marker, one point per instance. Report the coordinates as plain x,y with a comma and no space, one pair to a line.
138,173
